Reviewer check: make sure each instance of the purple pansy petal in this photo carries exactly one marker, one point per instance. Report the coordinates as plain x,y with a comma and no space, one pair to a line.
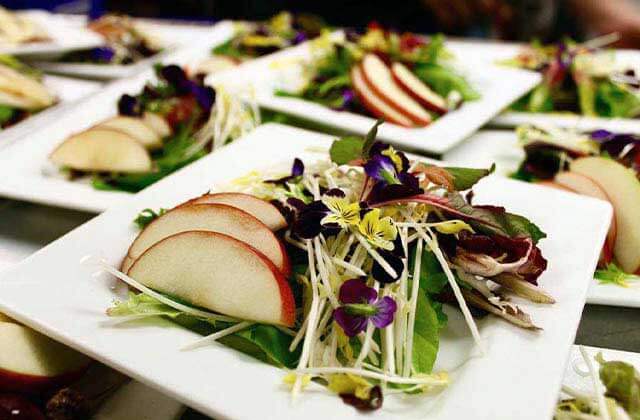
129,105
352,325
300,37
357,291
307,224
394,261
378,165
601,135
205,96
386,311
298,167
335,192
176,77
103,54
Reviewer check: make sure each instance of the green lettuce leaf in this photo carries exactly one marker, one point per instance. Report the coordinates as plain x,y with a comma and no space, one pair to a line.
443,80
465,178
426,335
6,113
622,382
613,100
147,216
613,274
346,149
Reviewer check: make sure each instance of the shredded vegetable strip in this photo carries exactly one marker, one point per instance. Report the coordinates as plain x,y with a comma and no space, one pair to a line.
432,380
413,301
217,335
597,386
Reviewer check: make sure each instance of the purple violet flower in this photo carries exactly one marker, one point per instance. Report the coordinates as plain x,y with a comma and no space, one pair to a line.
381,168
102,54
299,38
296,170
361,304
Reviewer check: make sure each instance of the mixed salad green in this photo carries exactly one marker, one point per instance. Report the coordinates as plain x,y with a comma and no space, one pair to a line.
619,400
579,78
280,31
22,93
378,244
330,80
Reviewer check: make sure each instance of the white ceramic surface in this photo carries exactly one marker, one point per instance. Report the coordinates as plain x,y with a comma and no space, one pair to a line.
53,293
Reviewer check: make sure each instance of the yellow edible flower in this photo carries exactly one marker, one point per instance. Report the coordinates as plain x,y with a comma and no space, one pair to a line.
391,153
380,232
290,379
346,383
343,212
451,227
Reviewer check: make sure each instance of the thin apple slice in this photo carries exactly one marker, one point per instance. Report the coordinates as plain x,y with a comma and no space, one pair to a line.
214,218
417,89
584,185
373,103
623,189
219,273
102,150
157,123
4,318
378,77
135,128
262,210
31,362
16,83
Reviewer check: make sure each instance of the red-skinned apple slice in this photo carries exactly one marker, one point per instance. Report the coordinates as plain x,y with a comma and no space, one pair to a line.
262,210
219,273
584,185
214,218
373,103
378,77
32,363
623,188
417,89
135,128
102,150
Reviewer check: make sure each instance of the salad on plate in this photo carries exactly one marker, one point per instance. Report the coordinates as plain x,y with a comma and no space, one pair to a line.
340,268
256,39
585,79
614,393
403,78
169,124
16,29
22,92
125,43
599,164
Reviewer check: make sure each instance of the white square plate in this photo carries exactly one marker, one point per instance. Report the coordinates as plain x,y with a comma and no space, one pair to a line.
173,36
575,380
25,172
498,87
53,293
501,147
64,37
66,90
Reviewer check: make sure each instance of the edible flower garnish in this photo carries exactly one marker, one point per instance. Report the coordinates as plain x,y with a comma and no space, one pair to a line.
341,211
296,170
379,231
361,305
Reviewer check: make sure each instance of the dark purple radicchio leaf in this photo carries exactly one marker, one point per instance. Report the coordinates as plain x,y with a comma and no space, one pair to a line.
176,77
623,147
374,401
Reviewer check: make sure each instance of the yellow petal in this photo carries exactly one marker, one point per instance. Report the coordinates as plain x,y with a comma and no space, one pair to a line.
452,227
345,383
290,379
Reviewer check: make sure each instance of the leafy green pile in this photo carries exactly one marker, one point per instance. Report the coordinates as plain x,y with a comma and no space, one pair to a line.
580,79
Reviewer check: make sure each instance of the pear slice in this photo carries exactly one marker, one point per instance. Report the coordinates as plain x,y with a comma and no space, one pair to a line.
219,273
262,210
623,190
15,83
135,128
214,218
102,150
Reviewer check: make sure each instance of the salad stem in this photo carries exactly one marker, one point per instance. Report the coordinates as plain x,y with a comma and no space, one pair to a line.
413,303
217,335
597,386
374,254
368,337
432,380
